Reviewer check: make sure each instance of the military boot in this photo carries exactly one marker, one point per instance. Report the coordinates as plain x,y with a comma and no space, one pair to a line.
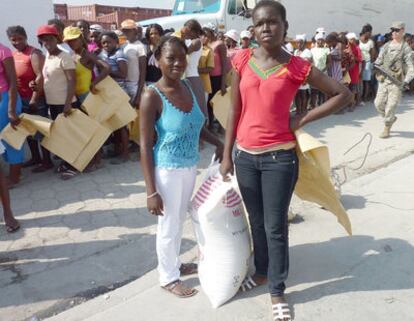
386,132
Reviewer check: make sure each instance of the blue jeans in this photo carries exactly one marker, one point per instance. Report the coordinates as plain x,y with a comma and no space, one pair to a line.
266,183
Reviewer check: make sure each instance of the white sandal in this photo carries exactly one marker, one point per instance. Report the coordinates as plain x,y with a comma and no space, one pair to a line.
248,284
281,312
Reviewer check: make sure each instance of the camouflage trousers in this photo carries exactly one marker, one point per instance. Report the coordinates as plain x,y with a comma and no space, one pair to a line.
387,100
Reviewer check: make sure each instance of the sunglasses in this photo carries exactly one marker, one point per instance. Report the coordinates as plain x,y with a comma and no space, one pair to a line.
395,30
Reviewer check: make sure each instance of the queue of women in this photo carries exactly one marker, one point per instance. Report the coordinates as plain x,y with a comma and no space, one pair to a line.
167,82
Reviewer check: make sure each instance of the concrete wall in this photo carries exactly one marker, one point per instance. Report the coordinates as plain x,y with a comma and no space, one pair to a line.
28,13
305,16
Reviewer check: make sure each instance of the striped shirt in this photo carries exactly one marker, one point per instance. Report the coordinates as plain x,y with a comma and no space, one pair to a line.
335,68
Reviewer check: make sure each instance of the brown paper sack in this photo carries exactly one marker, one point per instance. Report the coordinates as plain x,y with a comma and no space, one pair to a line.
315,183
75,138
29,125
221,106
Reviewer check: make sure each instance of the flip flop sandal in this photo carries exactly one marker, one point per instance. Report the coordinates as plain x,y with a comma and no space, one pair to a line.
61,168
68,174
188,268
12,229
281,312
248,284
172,288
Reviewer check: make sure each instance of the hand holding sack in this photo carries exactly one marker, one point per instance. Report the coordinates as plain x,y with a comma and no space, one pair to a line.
223,237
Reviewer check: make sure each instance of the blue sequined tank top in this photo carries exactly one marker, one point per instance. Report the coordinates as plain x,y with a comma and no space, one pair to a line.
178,133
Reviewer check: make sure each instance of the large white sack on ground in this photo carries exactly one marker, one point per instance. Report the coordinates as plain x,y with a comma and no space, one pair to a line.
223,237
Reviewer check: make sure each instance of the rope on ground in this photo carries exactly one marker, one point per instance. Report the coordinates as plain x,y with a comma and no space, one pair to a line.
335,175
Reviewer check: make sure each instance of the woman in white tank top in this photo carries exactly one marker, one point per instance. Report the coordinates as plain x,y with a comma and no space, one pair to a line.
191,33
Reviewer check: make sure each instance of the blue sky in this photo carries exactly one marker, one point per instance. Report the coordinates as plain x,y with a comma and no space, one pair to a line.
167,4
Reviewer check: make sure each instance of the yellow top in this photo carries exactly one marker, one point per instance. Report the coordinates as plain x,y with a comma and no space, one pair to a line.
83,78
206,60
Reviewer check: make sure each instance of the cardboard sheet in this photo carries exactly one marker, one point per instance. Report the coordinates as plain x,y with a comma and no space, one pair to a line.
90,150
110,106
315,182
221,106
70,135
29,126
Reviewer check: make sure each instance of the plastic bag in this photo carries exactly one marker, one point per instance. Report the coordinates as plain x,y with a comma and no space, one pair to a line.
223,237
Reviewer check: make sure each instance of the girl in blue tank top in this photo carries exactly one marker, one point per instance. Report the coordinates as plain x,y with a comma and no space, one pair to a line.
171,124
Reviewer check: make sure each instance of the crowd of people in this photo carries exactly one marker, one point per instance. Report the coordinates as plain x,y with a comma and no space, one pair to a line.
171,77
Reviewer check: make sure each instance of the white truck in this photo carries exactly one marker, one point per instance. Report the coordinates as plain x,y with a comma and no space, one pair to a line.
28,13
304,16
225,14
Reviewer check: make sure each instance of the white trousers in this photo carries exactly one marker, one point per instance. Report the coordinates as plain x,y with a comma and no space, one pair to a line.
176,188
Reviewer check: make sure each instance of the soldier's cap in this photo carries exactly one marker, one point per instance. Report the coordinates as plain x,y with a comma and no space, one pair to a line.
397,25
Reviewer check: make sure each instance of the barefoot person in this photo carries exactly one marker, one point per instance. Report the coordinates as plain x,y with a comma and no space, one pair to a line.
10,109
264,85
12,225
171,116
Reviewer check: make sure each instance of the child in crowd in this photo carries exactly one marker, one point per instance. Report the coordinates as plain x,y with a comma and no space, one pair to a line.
206,63
367,46
354,70
94,44
302,96
245,37
335,67
153,36
191,34
114,56
134,51
28,63
231,38
321,60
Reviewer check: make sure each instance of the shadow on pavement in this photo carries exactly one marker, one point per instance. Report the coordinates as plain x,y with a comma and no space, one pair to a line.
345,265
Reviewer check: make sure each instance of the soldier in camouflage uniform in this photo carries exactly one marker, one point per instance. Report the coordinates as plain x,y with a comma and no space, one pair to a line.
394,58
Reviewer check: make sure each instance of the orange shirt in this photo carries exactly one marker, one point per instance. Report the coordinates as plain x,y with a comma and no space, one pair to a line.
24,71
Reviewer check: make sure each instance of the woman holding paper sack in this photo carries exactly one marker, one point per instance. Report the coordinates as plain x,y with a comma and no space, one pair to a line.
171,116
265,82
59,81
29,62
10,108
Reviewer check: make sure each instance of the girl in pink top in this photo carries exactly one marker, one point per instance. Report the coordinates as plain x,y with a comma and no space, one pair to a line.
264,85
219,72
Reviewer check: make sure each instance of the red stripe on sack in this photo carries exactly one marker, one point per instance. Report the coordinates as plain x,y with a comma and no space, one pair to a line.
203,194
232,197
200,200
235,204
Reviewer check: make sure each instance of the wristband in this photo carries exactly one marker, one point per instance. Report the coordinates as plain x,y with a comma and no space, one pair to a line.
152,195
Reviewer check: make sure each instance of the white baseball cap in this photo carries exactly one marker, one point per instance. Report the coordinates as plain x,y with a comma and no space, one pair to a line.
351,35
245,34
233,34
301,37
319,36
96,28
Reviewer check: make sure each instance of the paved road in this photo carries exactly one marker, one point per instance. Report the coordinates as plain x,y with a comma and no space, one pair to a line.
92,234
